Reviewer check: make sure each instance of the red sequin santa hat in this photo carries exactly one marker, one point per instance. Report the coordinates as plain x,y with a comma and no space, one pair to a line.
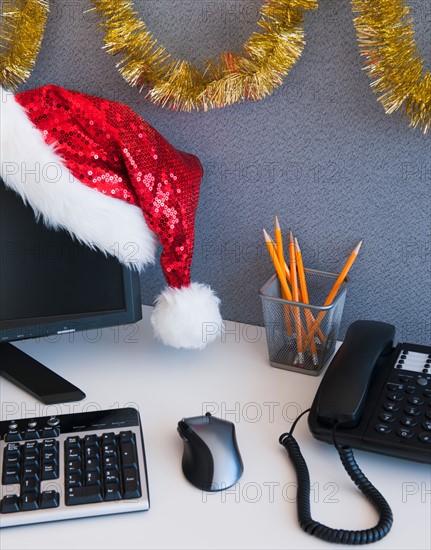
97,169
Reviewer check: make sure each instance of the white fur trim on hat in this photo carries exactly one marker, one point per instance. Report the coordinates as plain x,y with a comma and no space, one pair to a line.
34,170
187,317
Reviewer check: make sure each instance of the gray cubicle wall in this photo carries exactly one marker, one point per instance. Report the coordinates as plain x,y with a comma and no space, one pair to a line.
320,153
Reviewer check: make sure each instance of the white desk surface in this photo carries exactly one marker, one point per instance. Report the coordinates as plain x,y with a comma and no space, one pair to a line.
232,379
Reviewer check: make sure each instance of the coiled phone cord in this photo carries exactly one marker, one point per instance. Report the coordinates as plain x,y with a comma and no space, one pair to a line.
307,523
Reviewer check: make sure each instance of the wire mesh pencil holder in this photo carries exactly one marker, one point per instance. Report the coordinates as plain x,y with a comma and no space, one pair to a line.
302,337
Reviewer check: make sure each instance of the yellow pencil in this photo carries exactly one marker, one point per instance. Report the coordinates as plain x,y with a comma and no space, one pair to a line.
293,275
294,283
274,257
336,287
279,241
343,275
288,274
279,247
280,255
304,291
299,262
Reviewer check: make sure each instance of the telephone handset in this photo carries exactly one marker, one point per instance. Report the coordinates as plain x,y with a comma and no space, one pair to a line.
344,388
375,397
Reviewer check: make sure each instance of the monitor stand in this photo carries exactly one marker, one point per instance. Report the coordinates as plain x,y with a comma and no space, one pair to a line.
34,378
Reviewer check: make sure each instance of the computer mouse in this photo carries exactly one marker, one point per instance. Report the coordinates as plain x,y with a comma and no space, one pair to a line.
211,458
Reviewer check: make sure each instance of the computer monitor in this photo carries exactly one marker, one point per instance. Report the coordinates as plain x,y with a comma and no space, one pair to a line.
51,284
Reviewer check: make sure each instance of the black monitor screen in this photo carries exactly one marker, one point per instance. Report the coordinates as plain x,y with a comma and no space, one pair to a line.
49,282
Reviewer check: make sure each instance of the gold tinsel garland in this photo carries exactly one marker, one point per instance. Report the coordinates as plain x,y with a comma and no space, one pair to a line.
384,29
386,39
21,33
268,56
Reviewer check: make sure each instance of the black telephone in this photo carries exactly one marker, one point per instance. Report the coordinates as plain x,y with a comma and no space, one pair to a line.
375,397
378,395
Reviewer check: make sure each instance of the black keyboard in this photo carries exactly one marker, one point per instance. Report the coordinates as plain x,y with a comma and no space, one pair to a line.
72,465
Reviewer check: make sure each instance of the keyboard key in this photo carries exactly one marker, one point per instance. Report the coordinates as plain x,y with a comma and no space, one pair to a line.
31,457
31,472
29,501
12,450
93,478
108,439
91,440
74,480
72,443
415,401
109,450
391,406
405,433
395,396
83,495
49,453
31,446
128,455
112,492
383,428
73,467
127,437
412,411
11,476
13,435
31,433
12,463
30,486
49,471
110,463
91,447
73,454
408,421
111,476
50,432
9,503
387,417
49,499
11,470
92,452
92,465
131,485
425,437
49,457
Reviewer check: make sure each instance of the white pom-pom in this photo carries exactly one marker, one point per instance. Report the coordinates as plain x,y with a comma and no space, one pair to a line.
187,317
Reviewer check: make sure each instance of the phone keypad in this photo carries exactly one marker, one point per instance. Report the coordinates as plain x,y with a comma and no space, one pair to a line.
405,409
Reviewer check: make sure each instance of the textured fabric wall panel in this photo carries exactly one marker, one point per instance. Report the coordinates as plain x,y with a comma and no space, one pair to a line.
320,153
